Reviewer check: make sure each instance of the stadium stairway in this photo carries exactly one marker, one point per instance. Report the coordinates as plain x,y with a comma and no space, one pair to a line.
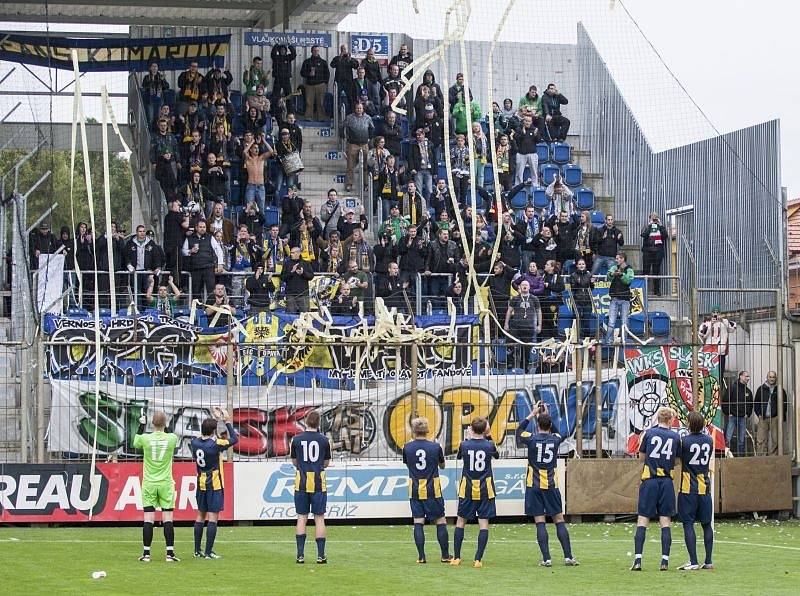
324,162
604,202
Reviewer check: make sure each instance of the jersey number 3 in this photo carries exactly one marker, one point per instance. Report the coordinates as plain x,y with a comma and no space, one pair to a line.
421,463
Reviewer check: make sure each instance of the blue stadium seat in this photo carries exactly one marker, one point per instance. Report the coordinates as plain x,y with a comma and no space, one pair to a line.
573,175
549,172
659,323
271,217
584,198
562,153
543,152
636,323
516,371
598,219
169,98
501,352
75,312
488,175
520,200
236,100
540,198
441,172
327,104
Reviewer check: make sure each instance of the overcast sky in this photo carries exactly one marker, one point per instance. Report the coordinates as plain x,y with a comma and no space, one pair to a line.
732,56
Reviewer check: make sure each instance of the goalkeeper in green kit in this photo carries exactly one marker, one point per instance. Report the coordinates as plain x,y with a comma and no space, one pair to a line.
158,487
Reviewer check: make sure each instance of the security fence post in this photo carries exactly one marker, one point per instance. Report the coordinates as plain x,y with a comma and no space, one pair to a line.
414,366
598,400
578,400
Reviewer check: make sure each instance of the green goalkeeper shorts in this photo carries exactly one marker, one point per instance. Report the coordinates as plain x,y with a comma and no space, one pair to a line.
160,495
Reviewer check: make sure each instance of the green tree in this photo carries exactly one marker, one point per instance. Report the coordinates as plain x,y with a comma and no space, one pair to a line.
56,188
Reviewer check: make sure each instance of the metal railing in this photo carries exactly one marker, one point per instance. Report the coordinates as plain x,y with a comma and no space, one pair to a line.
139,125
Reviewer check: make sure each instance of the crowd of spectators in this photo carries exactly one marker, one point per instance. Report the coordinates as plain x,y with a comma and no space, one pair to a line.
217,243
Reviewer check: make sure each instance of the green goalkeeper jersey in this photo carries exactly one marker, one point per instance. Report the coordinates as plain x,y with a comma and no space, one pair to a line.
158,448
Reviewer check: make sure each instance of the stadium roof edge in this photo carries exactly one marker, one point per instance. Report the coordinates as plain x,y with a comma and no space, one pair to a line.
264,14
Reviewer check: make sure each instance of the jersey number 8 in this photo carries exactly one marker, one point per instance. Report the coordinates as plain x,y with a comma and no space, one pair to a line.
200,458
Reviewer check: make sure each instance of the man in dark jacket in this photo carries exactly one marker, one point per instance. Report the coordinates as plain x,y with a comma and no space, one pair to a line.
413,257
738,407
315,75
42,242
282,58
392,133
607,241
295,276
143,254
422,163
259,286
206,257
523,143
442,259
118,252
176,225
402,60
765,407
343,66
654,242
556,124
390,287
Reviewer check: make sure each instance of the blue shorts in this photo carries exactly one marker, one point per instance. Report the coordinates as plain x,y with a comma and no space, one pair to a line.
431,509
657,498
483,509
542,502
695,508
305,503
210,501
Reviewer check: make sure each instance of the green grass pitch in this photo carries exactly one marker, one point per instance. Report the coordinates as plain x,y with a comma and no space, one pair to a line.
751,558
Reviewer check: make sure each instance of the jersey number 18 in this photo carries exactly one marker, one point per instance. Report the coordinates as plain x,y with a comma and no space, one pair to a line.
477,461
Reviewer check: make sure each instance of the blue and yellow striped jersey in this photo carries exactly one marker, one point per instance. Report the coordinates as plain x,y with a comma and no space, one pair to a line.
661,447
422,457
542,456
207,456
309,451
696,453
477,483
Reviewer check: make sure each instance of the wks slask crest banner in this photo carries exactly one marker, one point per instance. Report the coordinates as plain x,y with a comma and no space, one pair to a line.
662,376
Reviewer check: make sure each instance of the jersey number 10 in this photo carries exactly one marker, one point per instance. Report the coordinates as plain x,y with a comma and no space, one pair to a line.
310,450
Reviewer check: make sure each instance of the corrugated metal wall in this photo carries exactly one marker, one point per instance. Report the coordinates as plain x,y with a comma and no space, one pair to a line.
732,180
